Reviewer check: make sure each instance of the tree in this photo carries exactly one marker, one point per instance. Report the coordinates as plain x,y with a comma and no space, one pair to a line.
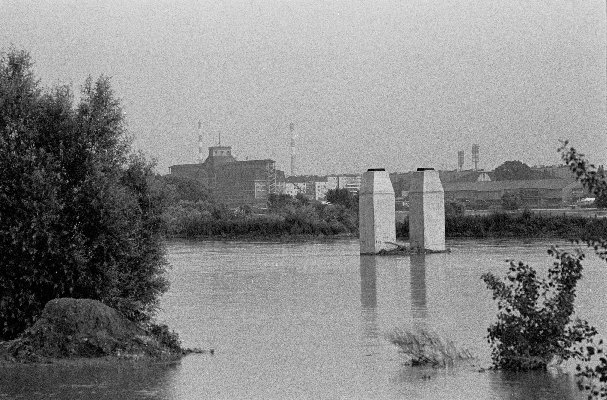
180,188
78,214
512,171
343,197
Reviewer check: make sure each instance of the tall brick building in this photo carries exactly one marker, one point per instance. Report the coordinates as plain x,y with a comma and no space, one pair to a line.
234,183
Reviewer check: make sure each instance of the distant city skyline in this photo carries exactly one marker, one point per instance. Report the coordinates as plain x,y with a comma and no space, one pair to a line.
366,84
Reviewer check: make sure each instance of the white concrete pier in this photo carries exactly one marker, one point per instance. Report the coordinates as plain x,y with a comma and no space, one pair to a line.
377,230
426,211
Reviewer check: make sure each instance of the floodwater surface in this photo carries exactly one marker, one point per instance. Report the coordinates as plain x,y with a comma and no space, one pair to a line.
309,321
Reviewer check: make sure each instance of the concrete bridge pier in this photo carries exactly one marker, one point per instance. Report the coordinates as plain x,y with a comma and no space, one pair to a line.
377,230
426,211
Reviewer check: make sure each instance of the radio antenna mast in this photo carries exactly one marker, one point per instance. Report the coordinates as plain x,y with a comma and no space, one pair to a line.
293,137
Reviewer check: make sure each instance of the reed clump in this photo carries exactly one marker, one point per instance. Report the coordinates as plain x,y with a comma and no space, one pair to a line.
425,347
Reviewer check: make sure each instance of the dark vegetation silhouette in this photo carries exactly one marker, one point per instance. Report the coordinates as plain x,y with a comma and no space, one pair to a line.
285,216
521,224
78,215
517,170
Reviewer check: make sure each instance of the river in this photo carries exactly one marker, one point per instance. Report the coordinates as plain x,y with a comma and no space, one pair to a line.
309,321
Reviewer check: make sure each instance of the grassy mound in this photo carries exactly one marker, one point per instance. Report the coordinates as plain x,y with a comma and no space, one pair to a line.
84,328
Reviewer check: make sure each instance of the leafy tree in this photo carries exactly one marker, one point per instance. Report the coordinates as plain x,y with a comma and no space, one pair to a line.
179,188
78,214
512,171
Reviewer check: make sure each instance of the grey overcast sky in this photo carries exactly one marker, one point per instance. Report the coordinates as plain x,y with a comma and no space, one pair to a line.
368,83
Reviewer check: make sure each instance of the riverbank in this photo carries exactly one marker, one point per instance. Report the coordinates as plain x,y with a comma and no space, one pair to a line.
484,226
194,220
524,225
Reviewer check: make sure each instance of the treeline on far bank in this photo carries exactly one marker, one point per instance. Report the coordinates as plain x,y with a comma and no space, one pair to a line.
191,211
186,216
517,225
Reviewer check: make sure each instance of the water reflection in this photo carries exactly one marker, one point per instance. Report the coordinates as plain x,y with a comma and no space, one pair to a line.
419,307
534,385
307,321
368,295
102,381
368,282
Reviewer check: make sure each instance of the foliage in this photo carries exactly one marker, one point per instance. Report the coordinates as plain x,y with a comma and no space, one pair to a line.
534,315
592,378
177,188
287,216
594,181
302,199
166,337
511,201
512,171
280,201
591,177
342,197
516,225
78,215
428,348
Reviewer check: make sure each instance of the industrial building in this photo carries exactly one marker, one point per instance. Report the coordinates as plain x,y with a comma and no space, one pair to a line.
234,183
533,193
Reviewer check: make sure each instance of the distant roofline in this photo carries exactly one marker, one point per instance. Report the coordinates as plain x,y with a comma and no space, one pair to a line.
238,161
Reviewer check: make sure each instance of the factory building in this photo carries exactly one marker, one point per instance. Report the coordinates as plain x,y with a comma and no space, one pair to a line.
234,183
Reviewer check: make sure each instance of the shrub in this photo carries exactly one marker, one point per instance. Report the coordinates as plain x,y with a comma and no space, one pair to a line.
166,337
534,315
78,216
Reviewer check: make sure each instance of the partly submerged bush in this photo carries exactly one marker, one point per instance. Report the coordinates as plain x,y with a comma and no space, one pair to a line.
534,323
425,347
